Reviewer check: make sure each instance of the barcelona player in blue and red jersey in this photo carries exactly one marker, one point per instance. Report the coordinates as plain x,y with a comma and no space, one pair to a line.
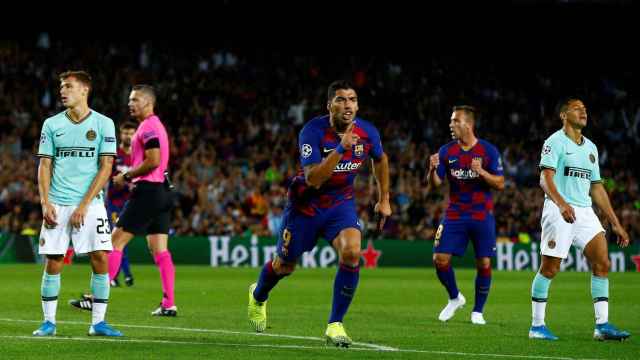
473,168
321,203
118,195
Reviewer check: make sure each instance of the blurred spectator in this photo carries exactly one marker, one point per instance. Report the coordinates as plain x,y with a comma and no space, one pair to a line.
233,118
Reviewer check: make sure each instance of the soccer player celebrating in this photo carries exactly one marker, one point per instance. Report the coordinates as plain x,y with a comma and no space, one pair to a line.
81,144
321,203
570,178
473,167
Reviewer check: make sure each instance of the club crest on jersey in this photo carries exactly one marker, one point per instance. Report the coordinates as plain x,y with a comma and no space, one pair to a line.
358,150
592,158
91,135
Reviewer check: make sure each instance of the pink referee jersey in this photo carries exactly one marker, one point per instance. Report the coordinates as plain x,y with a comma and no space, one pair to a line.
151,128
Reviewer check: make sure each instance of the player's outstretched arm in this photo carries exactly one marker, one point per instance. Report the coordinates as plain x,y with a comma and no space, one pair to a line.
549,187
601,199
381,171
106,165
44,183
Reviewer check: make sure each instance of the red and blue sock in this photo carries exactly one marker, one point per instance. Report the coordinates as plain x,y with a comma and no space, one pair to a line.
344,288
483,284
448,278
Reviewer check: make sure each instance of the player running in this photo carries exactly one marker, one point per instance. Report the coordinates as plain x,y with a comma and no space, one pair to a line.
321,203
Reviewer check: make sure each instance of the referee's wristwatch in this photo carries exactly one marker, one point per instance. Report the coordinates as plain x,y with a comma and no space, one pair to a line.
126,176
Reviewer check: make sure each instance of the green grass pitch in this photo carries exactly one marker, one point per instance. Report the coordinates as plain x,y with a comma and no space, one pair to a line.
393,316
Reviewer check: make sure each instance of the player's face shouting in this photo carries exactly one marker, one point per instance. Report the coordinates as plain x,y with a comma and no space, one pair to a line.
577,113
72,92
343,106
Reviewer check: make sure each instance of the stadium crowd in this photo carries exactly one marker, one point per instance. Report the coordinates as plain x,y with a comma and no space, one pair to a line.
233,118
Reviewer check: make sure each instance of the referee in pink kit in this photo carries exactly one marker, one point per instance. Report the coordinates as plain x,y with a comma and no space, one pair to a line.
147,211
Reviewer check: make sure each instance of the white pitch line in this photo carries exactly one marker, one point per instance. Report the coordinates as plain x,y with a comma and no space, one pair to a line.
273,346
125,340
217,331
370,347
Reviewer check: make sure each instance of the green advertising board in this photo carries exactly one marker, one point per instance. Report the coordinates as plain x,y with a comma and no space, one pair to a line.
253,251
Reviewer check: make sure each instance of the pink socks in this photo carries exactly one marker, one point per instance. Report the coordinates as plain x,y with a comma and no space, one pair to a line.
115,258
167,275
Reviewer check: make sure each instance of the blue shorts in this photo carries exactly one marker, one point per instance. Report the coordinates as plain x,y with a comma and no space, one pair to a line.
113,212
299,232
453,236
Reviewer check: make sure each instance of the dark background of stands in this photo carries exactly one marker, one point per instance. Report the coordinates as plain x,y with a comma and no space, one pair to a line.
233,114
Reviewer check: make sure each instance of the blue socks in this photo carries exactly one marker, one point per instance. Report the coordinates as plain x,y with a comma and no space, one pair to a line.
267,280
124,265
49,290
599,288
100,287
483,284
540,288
448,279
600,295
50,287
344,288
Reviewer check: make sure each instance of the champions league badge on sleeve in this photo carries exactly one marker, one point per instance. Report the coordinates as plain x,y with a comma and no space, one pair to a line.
306,150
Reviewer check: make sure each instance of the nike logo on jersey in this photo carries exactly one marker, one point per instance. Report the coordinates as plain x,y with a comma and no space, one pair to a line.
569,153
58,135
326,151
451,161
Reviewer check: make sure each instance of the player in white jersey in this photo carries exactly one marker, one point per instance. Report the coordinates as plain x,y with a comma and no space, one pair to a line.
76,151
570,178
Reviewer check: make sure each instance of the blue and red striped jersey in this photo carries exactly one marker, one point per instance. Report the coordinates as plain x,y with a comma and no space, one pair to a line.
316,141
469,196
118,196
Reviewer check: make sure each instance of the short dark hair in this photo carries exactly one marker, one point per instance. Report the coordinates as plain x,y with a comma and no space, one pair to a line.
128,125
467,109
563,104
147,89
338,85
80,75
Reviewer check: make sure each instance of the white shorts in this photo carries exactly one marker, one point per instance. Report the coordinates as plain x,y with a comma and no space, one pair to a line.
94,235
558,235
